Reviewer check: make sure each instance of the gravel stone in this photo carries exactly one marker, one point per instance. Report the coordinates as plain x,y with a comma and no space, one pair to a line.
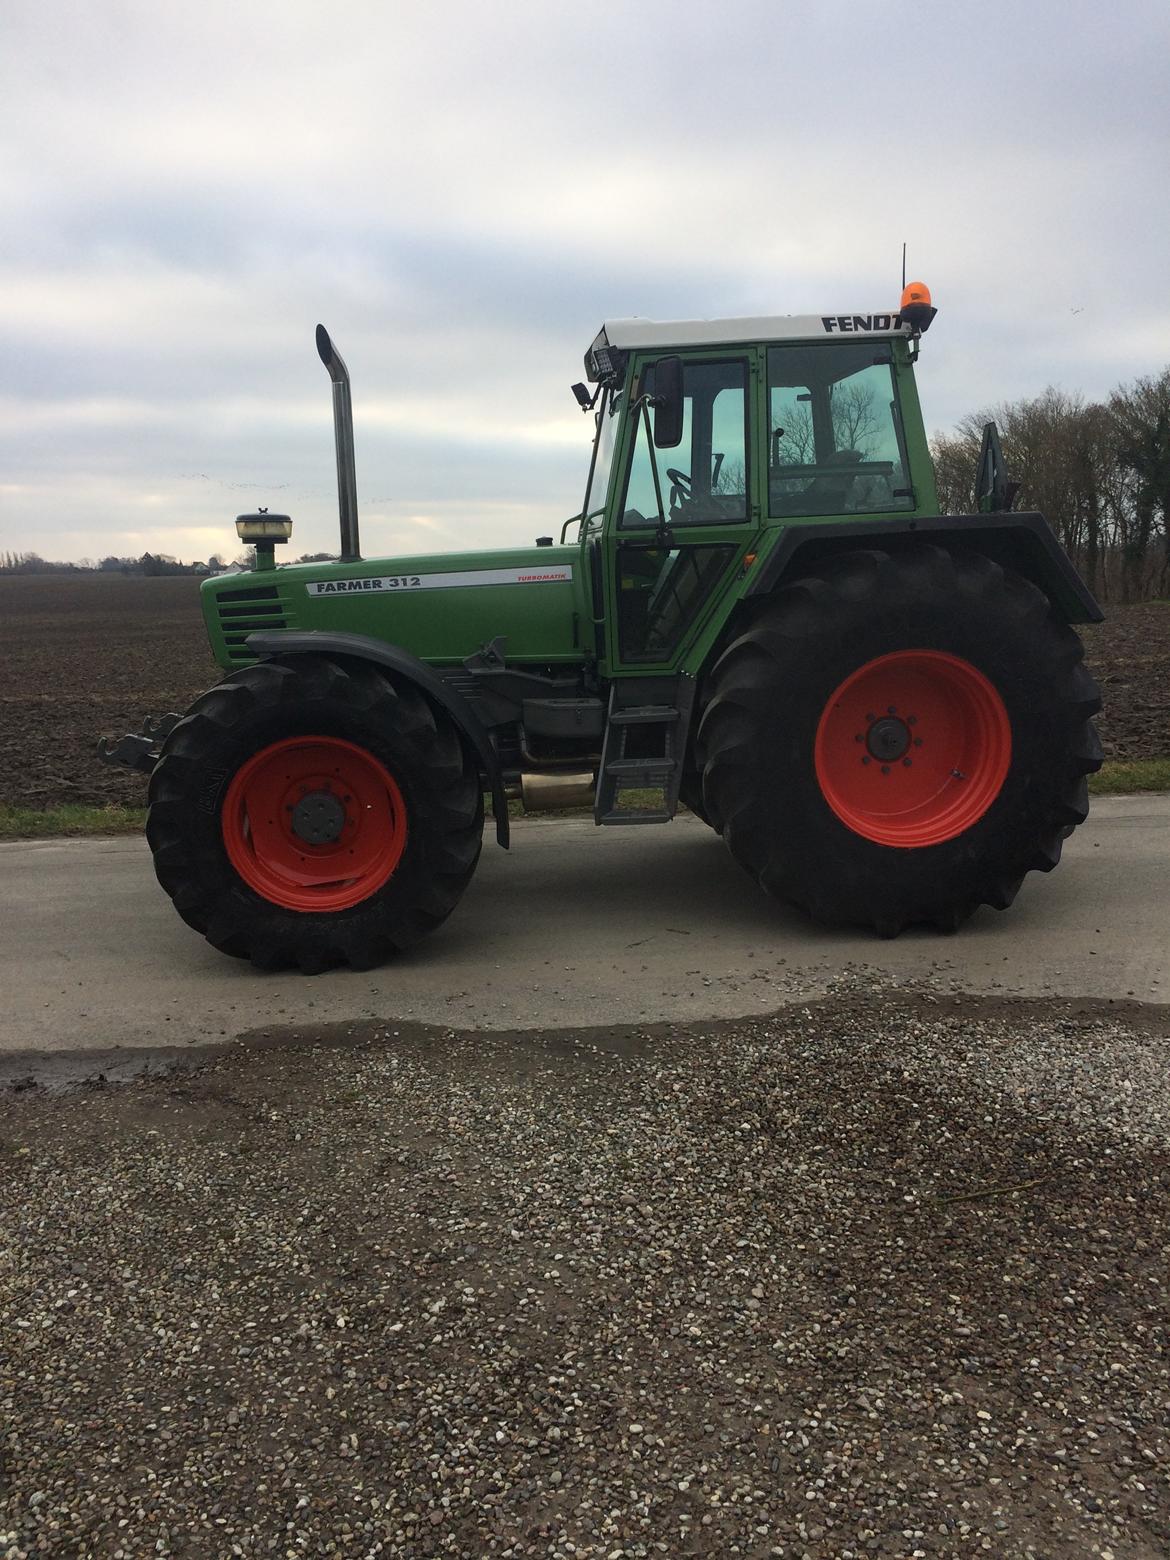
880,1274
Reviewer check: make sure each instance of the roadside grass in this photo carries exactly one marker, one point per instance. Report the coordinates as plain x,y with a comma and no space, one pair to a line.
76,821
70,819
35,823
1120,778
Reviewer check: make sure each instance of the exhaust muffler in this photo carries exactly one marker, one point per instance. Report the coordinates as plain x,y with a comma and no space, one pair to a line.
551,793
343,437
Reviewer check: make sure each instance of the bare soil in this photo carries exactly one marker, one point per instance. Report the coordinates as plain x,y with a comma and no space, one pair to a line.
91,655
1129,655
85,657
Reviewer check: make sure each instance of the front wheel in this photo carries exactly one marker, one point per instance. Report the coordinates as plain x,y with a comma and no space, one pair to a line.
312,812
899,738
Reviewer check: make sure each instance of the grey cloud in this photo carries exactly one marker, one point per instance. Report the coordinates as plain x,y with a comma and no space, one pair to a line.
463,194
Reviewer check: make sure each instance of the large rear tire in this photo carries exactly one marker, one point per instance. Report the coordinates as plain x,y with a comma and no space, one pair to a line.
690,794
900,738
312,812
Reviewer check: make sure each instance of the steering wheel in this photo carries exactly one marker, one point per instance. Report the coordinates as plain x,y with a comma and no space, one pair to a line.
681,481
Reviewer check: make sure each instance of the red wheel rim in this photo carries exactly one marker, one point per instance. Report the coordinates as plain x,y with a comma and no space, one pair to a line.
913,748
314,823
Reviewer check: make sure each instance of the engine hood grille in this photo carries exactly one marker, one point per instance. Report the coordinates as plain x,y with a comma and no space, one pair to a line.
244,612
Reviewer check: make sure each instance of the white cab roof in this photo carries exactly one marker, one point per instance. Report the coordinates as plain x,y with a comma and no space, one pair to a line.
635,333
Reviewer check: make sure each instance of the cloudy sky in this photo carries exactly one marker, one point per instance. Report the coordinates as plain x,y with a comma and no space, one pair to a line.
463,191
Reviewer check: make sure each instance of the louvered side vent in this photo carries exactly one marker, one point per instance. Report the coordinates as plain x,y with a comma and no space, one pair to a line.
244,612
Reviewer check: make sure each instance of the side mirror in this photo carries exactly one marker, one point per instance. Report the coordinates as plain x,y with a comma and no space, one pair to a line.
667,402
995,491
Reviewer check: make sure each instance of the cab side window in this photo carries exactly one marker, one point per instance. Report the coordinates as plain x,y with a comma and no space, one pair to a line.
835,432
704,479
660,591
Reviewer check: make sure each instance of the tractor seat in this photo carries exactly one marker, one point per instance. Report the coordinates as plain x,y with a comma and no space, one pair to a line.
830,495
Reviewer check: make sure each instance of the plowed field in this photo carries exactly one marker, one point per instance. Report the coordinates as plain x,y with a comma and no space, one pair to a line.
91,654
88,655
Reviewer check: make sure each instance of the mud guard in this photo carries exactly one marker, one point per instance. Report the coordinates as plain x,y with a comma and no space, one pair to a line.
1025,543
361,647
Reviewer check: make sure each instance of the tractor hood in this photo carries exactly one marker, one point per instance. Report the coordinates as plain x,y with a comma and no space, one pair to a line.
443,606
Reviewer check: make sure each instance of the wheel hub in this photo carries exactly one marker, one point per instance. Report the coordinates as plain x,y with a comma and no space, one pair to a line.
912,748
888,739
318,818
314,823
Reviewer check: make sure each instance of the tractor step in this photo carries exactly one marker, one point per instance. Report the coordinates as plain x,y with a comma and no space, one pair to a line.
643,750
643,768
645,715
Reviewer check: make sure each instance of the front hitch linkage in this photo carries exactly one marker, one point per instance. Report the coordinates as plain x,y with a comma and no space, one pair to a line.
139,750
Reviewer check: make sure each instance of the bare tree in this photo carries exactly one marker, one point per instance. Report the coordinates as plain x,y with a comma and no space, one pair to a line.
855,420
1100,472
796,445
1141,418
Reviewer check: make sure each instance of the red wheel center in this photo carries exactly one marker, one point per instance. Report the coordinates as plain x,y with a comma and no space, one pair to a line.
314,823
913,748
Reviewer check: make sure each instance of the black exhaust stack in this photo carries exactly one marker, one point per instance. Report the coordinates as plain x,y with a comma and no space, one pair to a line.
343,435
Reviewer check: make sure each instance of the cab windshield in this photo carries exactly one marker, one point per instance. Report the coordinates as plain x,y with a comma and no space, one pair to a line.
605,442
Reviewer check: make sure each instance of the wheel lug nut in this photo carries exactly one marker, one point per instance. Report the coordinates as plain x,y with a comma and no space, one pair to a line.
917,741
885,769
912,720
906,762
865,760
890,710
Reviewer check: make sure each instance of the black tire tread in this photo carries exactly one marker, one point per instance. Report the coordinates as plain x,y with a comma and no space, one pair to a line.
270,696
748,686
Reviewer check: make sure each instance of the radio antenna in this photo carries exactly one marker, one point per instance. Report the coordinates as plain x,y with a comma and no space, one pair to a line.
903,265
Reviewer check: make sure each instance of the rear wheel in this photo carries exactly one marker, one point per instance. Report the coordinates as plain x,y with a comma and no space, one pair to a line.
899,738
314,813
690,793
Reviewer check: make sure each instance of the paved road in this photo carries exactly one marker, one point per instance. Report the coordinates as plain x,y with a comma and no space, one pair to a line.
576,926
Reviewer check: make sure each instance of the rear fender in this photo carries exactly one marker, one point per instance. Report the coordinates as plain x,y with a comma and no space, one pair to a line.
405,665
1024,543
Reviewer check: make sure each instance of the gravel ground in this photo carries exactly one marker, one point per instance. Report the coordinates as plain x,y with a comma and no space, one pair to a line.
883,1275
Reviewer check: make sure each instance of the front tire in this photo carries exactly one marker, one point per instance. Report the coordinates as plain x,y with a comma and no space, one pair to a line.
900,738
312,812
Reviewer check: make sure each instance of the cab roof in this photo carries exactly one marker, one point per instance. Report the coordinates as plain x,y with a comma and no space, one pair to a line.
630,335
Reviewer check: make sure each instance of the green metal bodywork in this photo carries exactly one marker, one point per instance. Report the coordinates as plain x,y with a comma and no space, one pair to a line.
547,623
544,621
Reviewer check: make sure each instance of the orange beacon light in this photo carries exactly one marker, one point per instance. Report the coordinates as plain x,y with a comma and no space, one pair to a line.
916,308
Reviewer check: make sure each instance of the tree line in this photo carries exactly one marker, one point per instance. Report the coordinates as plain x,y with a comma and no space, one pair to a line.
149,564
1098,470
152,564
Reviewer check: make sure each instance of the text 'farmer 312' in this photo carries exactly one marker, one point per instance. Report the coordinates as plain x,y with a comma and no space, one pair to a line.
759,611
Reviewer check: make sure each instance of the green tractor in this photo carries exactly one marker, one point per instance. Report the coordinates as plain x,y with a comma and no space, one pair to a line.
758,612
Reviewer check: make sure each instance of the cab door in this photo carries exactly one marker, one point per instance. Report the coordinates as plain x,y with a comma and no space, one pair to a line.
667,570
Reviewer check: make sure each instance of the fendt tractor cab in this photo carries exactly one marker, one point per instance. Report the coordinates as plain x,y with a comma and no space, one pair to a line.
759,611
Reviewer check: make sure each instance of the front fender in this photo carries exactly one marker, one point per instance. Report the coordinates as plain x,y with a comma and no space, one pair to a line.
404,664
